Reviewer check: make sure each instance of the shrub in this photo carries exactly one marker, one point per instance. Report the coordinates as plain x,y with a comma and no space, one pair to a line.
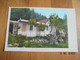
26,43
62,45
11,39
20,39
32,44
18,27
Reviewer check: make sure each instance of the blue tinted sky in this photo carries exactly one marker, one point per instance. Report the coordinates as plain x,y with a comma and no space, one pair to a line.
48,11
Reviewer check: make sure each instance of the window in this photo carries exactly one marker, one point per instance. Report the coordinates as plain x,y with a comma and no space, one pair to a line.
47,28
31,27
15,25
23,27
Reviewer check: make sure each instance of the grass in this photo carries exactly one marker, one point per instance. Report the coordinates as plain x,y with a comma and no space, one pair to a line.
62,45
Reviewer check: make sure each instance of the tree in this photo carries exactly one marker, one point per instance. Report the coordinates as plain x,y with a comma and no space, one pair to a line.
65,21
32,22
17,13
58,22
65,29
41,27
53,20
25,13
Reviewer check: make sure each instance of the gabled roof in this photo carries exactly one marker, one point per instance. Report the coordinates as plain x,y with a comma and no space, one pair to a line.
44,21
41,21
13,21
23,20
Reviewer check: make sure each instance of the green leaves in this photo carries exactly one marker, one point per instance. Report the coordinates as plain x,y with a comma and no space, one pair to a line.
41,27
11,39
18,27
24,41
58,22
32,22
25,13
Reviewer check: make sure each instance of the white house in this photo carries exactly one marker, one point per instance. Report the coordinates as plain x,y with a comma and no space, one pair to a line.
31,31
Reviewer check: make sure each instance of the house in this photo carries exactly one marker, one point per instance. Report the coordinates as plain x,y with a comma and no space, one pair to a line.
31,31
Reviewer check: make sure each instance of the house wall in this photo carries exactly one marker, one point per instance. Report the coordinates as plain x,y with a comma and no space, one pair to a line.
15,28
35,31
46,31
28,32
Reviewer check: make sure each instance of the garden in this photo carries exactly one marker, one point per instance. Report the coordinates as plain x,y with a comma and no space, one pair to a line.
33,42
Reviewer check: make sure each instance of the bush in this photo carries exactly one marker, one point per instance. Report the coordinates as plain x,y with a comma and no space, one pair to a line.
20,39
11,39
32,44
24,41
62,45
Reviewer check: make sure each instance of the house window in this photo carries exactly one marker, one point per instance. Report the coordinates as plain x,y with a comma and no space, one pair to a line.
23,27
31,27
47,28
15,25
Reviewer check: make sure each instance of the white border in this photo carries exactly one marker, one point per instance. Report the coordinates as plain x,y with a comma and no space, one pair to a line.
72,35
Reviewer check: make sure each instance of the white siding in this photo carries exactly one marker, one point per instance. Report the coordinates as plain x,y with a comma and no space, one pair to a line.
28,32
35,31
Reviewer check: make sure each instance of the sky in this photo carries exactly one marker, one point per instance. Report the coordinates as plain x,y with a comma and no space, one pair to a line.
48,11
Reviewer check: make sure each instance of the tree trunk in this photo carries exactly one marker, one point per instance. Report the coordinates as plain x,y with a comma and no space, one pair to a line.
51,36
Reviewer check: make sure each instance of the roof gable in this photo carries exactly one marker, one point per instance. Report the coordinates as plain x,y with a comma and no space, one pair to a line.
44,21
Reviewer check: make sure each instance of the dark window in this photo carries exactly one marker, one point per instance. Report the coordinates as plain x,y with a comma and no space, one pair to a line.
31,27
15,25
47,28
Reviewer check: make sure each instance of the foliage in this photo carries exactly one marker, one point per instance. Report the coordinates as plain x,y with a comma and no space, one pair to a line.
24,41
20,39
62,45
18,27
41,27
25,13
32,22
11,28
58,22
11,39
65,22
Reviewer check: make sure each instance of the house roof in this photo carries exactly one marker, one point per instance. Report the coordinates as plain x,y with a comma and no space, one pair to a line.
23,20
13,21
44,21
41,21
